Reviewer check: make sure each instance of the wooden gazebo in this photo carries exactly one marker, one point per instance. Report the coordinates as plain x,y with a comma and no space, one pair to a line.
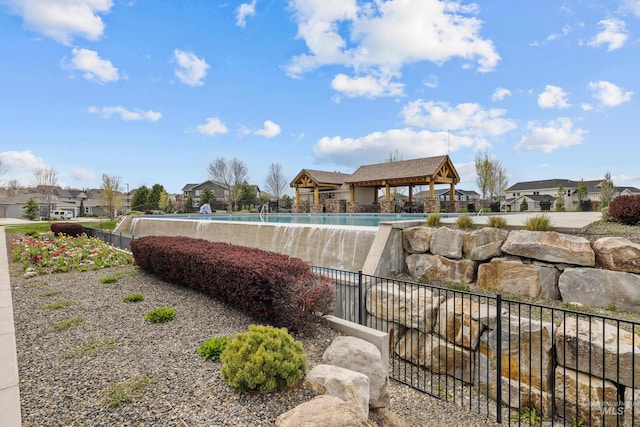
317,180
405,173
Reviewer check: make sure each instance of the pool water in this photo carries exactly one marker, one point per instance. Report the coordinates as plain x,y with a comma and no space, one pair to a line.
366,219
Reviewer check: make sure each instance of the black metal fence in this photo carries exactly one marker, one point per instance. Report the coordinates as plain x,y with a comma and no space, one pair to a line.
119,240
517,362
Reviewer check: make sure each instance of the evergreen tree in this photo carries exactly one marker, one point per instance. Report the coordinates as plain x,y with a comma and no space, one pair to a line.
188,204
81,213
207,196
560,199
139,199
31,209
153,198
582,193
607,190
164,203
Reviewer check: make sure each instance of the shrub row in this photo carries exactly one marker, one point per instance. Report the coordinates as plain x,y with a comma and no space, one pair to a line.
67,228
271,287
625,209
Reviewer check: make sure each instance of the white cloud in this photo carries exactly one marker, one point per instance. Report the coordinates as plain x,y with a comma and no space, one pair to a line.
586,106
609,94
270,130
431,82
62,20
212,127
375,147
467,118
82,174
191,69
553,97
244,10
126,115
559,133
368,86
20,161
500,94
378,38
632,6
614,34
565,31
93,67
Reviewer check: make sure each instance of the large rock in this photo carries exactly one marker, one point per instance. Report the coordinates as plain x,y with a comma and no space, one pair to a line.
437,354
593,287
361,356
456,323
617,253
581,398
484,243
416,240
412,306
550,246
447,242
436,267
512,276
600,349
322,411
394,329
348,385
631,407
526,350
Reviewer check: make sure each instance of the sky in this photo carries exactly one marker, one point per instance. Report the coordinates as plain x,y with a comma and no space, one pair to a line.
154,91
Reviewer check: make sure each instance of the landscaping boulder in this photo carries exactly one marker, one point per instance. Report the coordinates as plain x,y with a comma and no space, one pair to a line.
437,267
361,356
415,240
348,385
550,246
617,253
322,411
447,242
512,276
484,243
456,323
593,287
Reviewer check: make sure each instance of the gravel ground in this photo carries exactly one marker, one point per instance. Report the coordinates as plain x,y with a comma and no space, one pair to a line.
158,365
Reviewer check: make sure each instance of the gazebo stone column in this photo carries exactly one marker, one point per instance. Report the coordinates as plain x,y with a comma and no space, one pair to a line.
336,206
302,207
317,208
353,207
387,206
453,206
431,205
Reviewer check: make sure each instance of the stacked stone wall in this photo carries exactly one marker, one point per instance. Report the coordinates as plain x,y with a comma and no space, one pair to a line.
591,365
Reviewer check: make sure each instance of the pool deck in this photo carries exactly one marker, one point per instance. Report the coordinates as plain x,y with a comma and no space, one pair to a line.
9,391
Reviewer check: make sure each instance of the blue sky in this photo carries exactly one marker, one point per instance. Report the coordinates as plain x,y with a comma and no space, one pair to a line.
153,91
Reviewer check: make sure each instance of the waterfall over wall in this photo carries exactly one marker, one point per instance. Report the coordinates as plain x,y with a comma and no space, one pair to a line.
341,247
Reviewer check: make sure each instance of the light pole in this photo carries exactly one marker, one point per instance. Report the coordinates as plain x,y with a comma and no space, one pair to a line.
127,210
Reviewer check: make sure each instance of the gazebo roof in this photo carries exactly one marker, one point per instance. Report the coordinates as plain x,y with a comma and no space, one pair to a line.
314,178
438,169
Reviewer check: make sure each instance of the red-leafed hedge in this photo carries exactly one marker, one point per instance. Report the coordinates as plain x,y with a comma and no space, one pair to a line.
625,209
272,287
68,228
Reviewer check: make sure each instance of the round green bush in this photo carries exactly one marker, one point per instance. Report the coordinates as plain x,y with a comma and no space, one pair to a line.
161,315
263,359
135,297
213,348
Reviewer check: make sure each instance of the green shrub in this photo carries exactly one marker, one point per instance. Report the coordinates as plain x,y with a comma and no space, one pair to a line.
109,279
524,206
605,215
538,223
263,359
135,297
67,323
213,348
32,233
434,219
161,315
497,222
464,222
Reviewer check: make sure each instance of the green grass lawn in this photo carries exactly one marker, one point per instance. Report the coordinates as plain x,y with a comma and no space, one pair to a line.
45,226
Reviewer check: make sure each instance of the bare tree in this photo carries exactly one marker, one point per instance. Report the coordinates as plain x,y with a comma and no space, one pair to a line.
46,179
13,186
111,193
276,182
484,172
232,173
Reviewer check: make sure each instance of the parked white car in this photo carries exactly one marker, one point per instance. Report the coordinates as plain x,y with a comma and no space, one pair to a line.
61,214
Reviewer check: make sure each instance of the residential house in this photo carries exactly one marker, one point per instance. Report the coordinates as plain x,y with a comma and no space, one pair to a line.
531,191
220,191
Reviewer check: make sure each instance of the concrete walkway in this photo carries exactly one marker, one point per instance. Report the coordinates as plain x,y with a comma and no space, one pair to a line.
563,222
9,391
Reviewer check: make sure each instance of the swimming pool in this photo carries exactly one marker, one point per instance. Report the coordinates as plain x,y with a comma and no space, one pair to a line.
365,219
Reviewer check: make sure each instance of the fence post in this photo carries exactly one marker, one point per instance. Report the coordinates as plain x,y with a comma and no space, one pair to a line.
361,314
499,359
